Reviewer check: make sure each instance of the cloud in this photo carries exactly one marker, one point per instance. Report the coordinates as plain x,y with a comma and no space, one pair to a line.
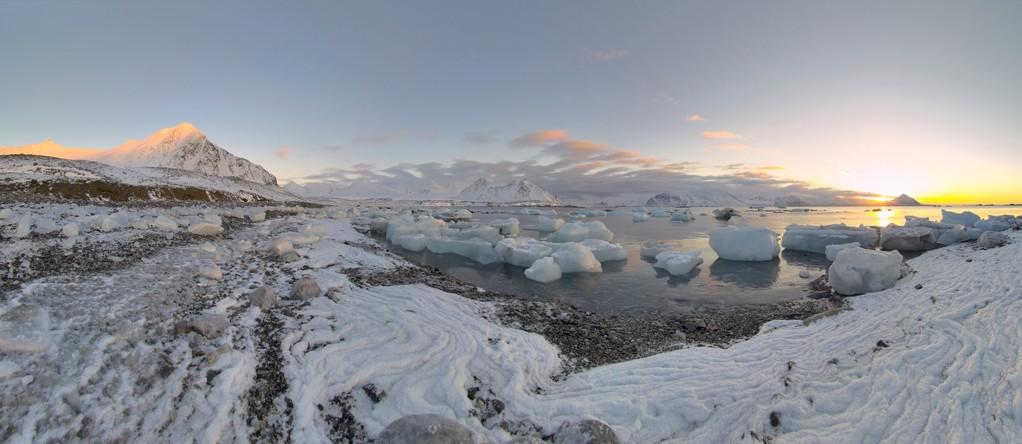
695,118
574,170
539,138
606,55
282,153
731,147
480,138
719,135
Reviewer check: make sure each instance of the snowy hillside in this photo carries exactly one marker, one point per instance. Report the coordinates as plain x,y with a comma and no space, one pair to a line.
518,191
182,147
695,198
88,179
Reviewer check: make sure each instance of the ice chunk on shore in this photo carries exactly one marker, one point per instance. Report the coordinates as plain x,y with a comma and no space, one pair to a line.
522,252
205,229
412,242
24,227
678,263
858,270
544,270
992,239
914,221
579,231
575,258
651,249
550,224
164,223
995,223
833,249
966,218
605,251
751,244
893,237
815,239
958,234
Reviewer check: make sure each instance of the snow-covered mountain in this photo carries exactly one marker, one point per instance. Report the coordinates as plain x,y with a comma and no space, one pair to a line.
181,147
695,198
518,191
904,201
44,176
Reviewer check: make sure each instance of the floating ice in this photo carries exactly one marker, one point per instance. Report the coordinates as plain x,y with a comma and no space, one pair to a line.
815,239
745,244
833,249
651,248
573,257
412,242
681,216
506,227
678,263
550,224
966,218
605,251
640,217
893,237
522,252
544,270
579,231
476,249
660,212
858,270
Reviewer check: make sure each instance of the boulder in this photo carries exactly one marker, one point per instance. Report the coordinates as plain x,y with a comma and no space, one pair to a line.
426,429
305,288
263,297
210,325
725,213
589,431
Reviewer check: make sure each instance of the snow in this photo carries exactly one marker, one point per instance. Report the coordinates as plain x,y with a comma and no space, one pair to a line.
833,249
678,263
544,270
815,239
550,224
575,258
518,191
745,244
858,270
893,237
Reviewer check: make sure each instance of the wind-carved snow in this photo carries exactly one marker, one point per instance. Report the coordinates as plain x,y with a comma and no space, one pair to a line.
937,364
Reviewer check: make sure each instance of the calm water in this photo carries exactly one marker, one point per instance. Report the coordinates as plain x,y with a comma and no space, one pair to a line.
635,286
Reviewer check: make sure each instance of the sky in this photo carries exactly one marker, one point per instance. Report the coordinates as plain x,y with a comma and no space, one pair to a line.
916,97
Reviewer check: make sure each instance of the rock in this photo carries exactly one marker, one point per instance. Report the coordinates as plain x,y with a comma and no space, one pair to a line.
893,237
992,239
725,213
804,274
589,431
263,297
305,288
426,429
205,229
211,325
858,270
281,246
211,272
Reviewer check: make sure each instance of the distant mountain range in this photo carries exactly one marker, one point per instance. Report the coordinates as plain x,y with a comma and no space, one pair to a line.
181,147
518,191
720,198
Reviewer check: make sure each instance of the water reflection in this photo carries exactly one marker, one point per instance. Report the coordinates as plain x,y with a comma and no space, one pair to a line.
674,281
804,259
885,217
746,274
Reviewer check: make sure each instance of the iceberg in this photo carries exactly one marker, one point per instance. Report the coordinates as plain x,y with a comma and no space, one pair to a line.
522,252
478,250
815,239
506,227
605,251
550,223
544,270
965,218
579,231
651,248
858,270
678,263
893,237
745,244
573,257
681,216
833,249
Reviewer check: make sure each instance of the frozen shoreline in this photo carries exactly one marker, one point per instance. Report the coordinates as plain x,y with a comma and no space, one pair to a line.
103,362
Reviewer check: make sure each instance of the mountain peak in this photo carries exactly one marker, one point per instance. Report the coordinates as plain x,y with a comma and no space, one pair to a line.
183,132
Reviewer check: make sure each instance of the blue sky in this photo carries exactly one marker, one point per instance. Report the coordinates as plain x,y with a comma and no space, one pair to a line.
874,96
